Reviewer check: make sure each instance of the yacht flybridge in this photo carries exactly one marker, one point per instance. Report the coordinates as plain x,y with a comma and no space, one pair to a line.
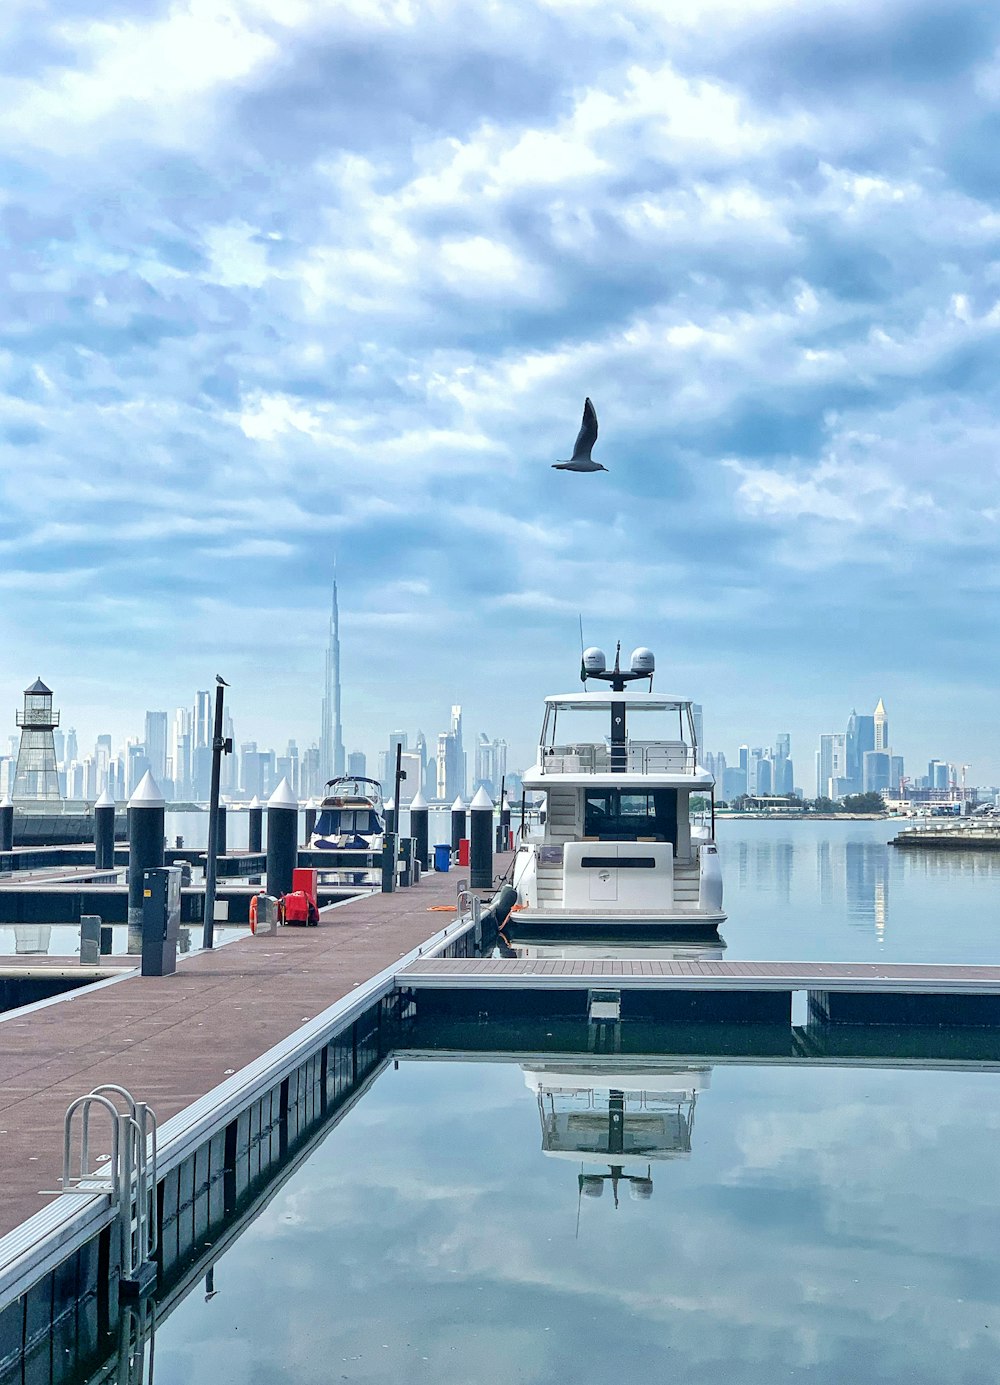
616,844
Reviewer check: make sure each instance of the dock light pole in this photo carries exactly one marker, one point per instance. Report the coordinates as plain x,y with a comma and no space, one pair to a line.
220,746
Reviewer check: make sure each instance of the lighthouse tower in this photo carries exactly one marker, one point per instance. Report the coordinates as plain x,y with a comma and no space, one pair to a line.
36,775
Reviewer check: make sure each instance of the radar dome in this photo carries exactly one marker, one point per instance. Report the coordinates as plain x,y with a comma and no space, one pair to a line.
594,660
591,1185
643,660
640,1189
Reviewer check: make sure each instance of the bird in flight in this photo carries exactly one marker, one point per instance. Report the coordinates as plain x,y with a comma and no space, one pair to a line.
581,459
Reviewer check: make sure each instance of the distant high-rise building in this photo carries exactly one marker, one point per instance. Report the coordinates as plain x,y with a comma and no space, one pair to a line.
357,764
36,775
229,778
831,764
451,775
412,784
201,729
860,739
331,736
60,743
421,747
876,771
387,761
895,773
491,765
156,744
72,753
881,727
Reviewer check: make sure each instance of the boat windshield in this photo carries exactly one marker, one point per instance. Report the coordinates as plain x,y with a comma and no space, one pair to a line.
359,821
624,815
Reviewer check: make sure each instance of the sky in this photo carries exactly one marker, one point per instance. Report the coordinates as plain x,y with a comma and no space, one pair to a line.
289,282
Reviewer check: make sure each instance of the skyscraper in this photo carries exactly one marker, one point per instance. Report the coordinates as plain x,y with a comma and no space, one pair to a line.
156,744
831,764
881,727
860,739
331,735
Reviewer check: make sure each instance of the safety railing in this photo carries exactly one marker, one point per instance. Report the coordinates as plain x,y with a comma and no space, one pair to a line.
641,757
128,1175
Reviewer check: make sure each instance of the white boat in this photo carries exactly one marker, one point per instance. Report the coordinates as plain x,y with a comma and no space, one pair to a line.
350,821
616,845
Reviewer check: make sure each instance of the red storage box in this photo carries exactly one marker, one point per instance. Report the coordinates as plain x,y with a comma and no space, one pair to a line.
307,881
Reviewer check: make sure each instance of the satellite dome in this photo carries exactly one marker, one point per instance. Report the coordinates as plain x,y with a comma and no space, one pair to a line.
594,660
643,660
591,1185
640,1189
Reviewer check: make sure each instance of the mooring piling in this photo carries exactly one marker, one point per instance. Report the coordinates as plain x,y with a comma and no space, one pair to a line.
256,828
282,838
104,832
419,828
458,822
146,809
481,843
6,824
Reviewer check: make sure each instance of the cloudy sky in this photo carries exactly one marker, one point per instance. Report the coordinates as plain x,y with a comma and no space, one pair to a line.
287,279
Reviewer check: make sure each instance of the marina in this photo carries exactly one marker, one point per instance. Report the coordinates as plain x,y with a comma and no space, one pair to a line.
251,1051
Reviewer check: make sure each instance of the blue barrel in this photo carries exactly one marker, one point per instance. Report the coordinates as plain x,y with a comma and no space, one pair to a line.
442,856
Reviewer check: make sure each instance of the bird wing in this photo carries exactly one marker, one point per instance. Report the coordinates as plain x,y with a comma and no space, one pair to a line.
587,435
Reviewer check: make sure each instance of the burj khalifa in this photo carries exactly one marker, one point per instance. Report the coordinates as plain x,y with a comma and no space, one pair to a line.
331,736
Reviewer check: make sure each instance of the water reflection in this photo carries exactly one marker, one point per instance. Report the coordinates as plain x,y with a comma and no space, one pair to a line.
616,1124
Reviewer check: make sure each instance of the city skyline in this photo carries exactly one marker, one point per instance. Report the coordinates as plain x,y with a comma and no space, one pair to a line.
183,737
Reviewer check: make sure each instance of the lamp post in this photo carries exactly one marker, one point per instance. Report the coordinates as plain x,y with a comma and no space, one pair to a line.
220,746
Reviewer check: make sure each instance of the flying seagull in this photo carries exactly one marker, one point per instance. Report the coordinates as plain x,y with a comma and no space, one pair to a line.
581,459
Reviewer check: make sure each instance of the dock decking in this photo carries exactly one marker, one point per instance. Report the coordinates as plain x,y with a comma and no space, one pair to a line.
172,1039
516,973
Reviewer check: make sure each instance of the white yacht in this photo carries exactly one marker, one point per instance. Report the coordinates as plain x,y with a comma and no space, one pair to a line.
616,845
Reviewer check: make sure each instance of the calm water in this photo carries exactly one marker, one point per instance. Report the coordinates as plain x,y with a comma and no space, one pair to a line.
783,1222
828,1225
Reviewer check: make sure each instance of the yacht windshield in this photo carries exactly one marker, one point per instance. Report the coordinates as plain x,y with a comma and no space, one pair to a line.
334,821
624,815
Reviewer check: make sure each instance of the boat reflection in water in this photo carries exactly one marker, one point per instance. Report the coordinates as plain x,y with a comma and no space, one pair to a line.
616,1123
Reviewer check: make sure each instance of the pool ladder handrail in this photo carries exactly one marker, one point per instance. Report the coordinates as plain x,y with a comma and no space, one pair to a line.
133,1170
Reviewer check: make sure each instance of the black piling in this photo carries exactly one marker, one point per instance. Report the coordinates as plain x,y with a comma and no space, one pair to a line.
504,822
310,824
390,816
145,848
256,829
6,825
282,838
419,829
220,831
104,832
459,824
481,843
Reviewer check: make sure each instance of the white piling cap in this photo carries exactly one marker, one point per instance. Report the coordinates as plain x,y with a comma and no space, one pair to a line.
147,793
283,797
389,805
418,801
255,802
458,806
105,801
6,801
482,802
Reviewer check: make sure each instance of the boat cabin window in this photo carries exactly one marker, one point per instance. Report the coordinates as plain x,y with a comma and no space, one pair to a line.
624,815
334,821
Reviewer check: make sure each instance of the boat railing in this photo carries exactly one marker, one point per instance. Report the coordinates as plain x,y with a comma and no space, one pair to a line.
642,757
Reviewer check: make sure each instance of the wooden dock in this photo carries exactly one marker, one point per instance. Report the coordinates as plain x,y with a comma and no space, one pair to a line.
171,1040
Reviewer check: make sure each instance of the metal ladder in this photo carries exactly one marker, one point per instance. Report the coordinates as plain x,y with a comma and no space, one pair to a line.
131,1169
